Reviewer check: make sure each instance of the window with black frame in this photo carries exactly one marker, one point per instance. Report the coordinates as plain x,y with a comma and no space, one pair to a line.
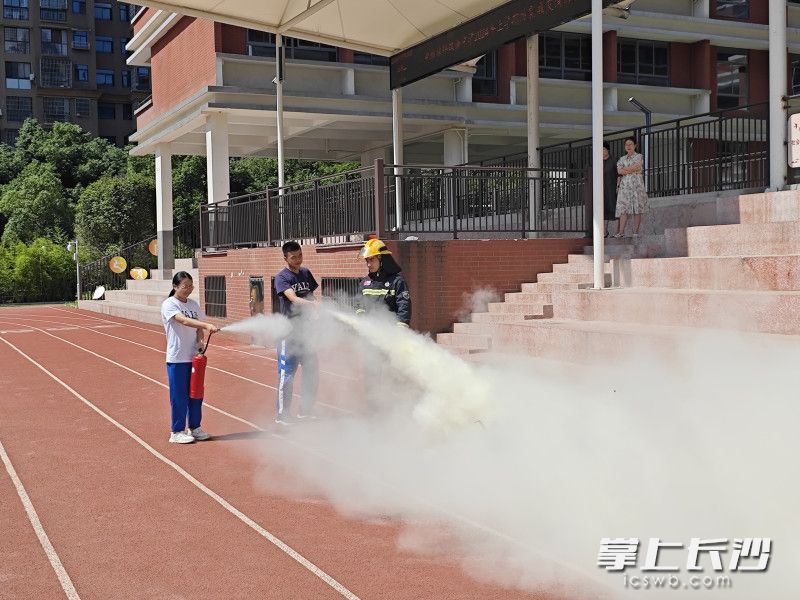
83,108
261,43
104,44
732,78
104,77
17,40
56,109
54,41
15,9
643,62
215,296
53,10
565,56
484,81
19,108
80,40
81,73
364,58
795,82
344,290
18,75
733,9
102,11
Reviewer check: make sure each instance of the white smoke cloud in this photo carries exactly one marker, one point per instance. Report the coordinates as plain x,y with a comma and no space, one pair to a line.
518,467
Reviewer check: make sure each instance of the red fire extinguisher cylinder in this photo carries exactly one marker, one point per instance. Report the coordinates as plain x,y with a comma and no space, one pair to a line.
197,380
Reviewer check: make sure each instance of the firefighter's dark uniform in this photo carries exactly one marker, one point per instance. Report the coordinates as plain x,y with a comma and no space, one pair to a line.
386,288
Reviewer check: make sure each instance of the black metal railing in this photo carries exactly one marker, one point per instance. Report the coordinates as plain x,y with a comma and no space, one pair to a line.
186,240
322,209
186,237
716,151
100,273
471,199
434,199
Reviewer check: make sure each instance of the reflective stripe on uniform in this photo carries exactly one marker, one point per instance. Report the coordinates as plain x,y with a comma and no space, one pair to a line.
369,292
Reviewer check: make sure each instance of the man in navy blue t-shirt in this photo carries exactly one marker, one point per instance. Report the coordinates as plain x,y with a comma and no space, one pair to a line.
295,286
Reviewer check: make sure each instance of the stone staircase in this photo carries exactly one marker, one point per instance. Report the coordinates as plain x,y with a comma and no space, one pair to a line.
141,300
741,277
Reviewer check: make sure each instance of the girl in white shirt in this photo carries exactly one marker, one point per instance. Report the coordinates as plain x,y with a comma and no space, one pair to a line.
184,327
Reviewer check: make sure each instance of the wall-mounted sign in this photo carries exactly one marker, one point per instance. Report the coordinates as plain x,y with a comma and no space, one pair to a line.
506,23
118,264
794,141
138,273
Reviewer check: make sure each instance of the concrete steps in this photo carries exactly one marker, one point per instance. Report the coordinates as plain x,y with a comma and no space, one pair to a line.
465,341
749,239
125,310
765,273
697,281
606,343
645,246
546,312
761,311
772,207
141,300
529,298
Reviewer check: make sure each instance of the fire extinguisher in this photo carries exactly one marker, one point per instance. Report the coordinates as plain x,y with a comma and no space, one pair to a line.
196,387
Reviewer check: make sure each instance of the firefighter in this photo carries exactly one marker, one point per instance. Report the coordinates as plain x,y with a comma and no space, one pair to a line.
384,284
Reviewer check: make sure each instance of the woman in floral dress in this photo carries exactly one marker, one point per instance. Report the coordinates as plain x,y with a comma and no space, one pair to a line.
631,195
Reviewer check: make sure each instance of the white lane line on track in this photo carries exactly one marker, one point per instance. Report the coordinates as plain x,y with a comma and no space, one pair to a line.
211,406
33,517
226,348
277,542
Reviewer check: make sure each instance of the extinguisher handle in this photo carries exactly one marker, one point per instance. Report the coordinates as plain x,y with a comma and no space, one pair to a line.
208,340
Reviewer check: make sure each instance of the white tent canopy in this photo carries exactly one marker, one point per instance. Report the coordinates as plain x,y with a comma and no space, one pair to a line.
378,26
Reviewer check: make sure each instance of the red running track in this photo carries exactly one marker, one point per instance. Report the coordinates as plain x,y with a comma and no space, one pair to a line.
95,503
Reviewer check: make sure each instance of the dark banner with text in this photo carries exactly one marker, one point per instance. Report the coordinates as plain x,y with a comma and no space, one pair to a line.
506,23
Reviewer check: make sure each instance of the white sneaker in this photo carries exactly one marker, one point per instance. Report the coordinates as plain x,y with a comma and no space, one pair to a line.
180,437
200,435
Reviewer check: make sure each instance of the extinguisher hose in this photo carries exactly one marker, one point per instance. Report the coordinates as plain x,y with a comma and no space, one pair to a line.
208,340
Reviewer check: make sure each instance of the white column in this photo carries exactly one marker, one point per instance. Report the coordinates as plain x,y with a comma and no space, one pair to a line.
534,141
778,86
164,225
217,158
597,143
700,8
456,147
463,88
279,66
397,146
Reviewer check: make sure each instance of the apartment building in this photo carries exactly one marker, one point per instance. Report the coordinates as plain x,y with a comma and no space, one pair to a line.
65,60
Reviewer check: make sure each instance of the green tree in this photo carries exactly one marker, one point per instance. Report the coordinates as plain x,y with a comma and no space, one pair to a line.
40,271
78,158
189,187
6,273
10,165
114,212
35,205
